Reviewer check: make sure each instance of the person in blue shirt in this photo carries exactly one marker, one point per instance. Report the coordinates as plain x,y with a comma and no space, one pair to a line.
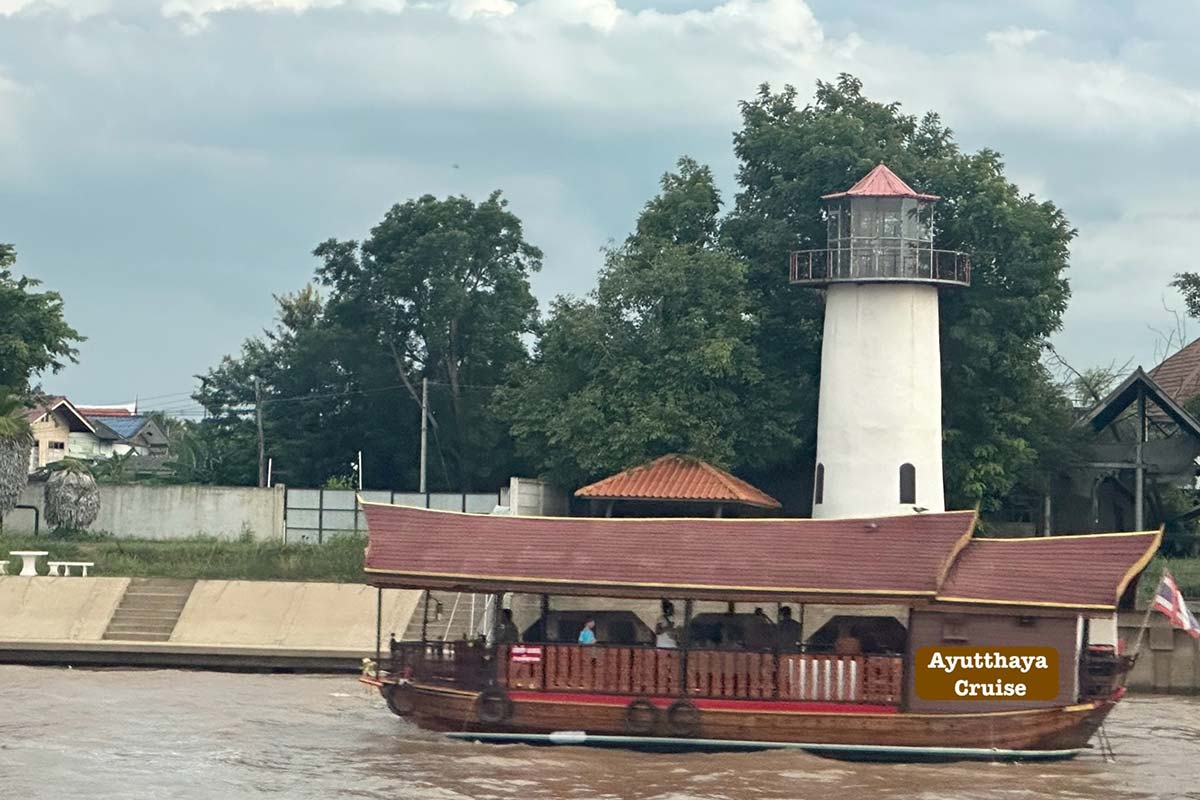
588,634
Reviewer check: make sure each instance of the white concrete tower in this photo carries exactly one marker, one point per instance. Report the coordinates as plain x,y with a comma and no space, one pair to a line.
879,424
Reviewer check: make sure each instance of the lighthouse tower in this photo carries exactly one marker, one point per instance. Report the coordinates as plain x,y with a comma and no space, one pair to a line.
879,424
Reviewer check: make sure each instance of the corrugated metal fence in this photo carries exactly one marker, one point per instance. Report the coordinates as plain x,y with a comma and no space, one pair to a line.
313,514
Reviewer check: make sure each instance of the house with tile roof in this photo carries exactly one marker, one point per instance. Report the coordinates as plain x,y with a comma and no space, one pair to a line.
90,433
1179,374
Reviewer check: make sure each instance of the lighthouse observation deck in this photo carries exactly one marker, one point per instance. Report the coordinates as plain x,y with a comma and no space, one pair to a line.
900,263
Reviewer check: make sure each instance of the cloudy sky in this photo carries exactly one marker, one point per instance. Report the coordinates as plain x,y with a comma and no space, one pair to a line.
169,164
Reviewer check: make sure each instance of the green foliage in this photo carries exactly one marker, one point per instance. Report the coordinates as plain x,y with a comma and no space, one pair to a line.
339,559
1004,419
341,482
1188,284
440,291
659,359
441,287
34,336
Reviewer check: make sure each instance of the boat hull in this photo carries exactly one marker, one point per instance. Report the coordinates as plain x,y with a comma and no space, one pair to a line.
842,730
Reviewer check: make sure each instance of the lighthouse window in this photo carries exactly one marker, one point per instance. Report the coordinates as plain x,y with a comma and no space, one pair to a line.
819,486
908,483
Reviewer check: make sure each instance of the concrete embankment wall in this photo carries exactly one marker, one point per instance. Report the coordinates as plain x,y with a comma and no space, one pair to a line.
74,609
171,512
1169,660
234,623
286,614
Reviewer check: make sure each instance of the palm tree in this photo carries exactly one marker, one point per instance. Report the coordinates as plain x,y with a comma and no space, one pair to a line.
72,497
15,441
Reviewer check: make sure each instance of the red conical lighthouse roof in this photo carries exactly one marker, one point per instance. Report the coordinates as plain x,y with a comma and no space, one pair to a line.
880,182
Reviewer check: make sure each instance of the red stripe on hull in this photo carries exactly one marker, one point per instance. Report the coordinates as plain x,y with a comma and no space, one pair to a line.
723,705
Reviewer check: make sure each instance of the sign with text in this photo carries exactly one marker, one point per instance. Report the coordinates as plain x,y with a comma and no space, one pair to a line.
525,654
986,673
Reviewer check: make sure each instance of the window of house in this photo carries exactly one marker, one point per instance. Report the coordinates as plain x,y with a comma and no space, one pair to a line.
58,446
819,486
908,483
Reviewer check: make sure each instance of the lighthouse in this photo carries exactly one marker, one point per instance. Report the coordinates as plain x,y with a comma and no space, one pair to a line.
879,423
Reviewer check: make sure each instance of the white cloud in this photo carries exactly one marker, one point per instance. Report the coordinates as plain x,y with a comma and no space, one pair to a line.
1013,37
466,9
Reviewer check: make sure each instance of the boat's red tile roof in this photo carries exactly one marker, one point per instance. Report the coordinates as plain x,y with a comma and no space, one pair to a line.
1179,375
675,477
881,182
699,557
1065,571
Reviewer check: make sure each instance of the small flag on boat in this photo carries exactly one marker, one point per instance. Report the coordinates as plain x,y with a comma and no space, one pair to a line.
1169,600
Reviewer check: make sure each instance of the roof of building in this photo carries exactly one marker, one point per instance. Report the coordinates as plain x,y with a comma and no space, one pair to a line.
106,411
1088,571
76,421
124,427
676,477
927,556
1125,395
880,182
903,556
1179,375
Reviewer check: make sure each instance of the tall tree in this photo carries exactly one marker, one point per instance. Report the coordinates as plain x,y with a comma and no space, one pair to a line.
1003,416
658,359
34,337
326,394
441,287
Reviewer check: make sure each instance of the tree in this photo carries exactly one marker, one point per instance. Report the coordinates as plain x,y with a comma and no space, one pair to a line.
658,359
15,443
1004,419
441,288
72,499
327,393
34,337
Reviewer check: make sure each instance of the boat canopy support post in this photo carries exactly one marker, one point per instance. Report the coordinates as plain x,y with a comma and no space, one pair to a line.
685,642
425,619
378,625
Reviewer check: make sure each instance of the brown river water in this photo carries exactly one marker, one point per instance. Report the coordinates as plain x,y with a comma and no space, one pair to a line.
175,734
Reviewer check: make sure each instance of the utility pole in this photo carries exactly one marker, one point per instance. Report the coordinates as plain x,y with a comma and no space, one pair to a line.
424,426
258,422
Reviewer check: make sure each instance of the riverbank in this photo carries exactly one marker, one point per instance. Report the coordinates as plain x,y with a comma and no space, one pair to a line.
211,623
339,559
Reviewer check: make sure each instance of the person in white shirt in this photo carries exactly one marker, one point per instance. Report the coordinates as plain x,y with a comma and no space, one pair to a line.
664,629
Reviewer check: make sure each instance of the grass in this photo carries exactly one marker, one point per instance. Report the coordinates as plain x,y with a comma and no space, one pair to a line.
339,559
1186,572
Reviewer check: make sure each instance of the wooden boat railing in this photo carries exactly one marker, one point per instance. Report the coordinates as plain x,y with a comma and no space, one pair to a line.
731,674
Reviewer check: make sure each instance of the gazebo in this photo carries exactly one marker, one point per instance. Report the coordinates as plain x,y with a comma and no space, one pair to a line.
676,486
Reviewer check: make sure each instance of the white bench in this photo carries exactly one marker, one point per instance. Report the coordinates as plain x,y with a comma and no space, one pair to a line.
3,567
66,567
28,560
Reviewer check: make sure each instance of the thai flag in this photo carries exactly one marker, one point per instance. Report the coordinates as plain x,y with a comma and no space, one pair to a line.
1169,600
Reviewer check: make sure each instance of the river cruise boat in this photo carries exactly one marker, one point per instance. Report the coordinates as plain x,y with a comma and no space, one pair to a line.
786,633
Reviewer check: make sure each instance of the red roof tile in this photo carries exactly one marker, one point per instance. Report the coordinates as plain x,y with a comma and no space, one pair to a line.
880,182
675,477
1069,571
104,411
893,557
1179,375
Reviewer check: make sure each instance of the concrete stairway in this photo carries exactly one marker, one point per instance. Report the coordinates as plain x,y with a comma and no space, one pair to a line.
446,627
149,609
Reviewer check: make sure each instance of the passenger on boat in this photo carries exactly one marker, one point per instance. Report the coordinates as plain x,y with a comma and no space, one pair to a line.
847,643
507,632
788,631
664,629
588,634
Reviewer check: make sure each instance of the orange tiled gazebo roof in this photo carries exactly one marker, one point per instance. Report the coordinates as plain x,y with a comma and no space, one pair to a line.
678,478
